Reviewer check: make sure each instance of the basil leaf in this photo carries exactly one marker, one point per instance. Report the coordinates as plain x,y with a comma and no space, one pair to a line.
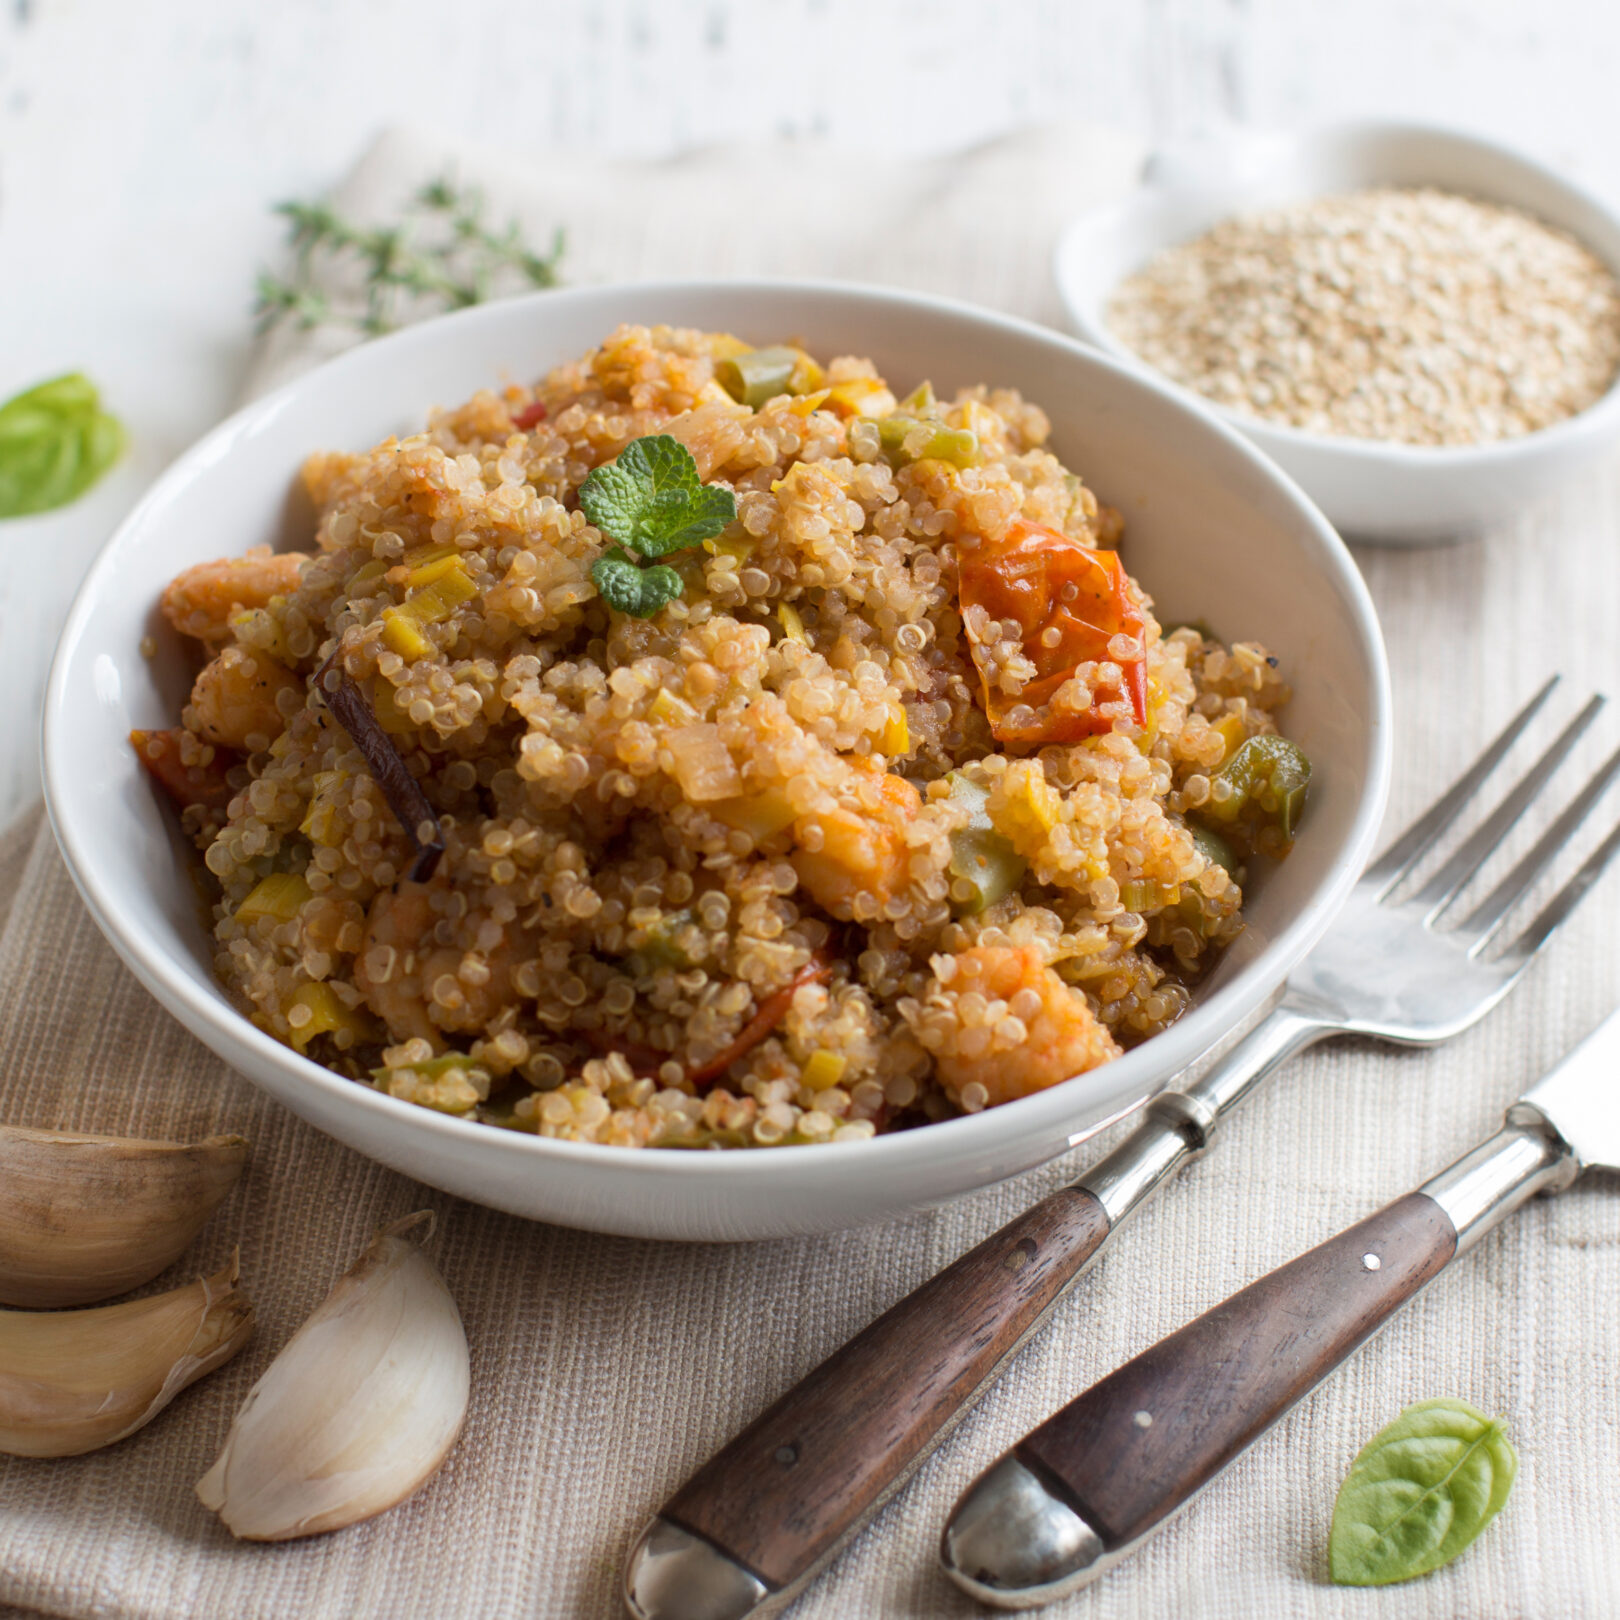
73,394
55,442
632,589
651,499
1419,1492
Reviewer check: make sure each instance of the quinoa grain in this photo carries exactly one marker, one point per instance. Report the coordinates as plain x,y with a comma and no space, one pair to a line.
1414,316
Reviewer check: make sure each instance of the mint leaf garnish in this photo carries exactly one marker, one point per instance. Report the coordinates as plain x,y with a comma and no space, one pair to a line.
630,588
651,499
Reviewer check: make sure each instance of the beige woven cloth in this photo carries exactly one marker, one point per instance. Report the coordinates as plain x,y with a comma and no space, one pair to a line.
605,1369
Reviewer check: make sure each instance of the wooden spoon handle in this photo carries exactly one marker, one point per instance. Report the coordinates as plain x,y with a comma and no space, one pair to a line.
1134,1447
782,1496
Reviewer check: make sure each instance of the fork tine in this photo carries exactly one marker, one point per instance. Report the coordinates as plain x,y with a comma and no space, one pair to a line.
1413,844
1442,888
1483,921
1557,910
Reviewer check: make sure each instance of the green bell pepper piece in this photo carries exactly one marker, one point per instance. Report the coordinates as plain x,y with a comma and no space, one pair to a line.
1270,772
757,376
980,854
902,444
1213,848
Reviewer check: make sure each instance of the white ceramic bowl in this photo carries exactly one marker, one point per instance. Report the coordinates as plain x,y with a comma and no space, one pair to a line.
1213,530
1394,494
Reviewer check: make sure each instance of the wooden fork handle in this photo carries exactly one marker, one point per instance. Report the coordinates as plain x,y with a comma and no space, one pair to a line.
1134,1447
1077,1494
782,1496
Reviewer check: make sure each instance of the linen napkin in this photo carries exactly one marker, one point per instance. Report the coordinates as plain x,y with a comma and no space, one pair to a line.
605,1369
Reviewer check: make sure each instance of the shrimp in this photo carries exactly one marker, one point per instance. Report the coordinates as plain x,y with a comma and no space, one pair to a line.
1034,1032
418,986
236,700
863,851
202,600
186,768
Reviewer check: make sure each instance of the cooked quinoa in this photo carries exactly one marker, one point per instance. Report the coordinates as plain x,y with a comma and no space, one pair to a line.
832,843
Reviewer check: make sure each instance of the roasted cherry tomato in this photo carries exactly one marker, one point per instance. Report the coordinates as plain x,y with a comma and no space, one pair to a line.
1069,603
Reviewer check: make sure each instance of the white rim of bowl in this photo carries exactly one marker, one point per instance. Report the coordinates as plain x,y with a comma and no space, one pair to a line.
1600,419
948,1140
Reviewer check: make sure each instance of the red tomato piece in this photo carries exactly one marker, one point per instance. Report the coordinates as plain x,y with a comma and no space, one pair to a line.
530,415
1069,603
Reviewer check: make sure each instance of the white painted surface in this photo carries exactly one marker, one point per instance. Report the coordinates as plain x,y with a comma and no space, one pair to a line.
141,145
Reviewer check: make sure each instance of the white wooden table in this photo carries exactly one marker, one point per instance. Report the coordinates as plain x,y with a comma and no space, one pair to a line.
141,146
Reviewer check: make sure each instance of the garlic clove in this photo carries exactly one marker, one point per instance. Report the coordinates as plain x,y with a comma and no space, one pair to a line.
72,1381
85,1217
359,1408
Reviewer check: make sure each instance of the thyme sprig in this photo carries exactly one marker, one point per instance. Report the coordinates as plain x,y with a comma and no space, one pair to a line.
441,255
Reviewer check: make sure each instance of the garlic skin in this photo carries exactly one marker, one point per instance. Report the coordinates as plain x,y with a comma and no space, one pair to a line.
85,1217
359,1408
73,1381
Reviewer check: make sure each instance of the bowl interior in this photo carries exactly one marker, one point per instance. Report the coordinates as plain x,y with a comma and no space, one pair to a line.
1212,531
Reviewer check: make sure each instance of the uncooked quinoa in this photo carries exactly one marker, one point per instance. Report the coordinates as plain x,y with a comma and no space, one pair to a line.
883,797
1416,316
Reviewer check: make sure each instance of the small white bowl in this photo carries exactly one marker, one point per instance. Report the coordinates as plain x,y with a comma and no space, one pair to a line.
1389,493
1213,530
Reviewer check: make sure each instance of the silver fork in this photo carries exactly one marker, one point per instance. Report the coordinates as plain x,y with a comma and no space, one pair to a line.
1403,969
758,1521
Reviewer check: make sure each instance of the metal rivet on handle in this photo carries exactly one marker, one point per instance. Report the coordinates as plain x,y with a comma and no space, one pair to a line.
1022,1253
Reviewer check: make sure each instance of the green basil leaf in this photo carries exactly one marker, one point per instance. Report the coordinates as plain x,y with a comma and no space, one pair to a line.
70,395
632,589
22,422
1419,1492
55,442
651,499
59,458
103,444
